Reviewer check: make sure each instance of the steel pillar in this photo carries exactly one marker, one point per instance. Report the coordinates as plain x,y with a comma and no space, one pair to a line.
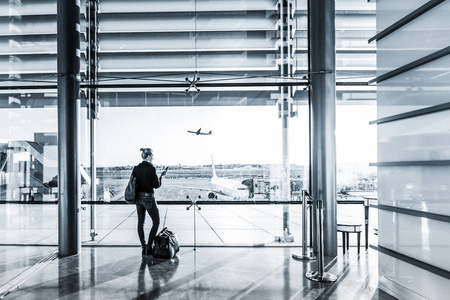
285,111
68,37
322,104
92,101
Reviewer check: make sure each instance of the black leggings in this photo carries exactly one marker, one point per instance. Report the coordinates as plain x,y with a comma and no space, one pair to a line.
147,203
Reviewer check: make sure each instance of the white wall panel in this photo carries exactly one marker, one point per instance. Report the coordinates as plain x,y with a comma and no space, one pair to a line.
406,279
420,185
419,188
365,60
185,22
181,42
28,25
424,138
389,12
419,238
186,62
421,37
124,6
419,88
27,8
33,44
27,64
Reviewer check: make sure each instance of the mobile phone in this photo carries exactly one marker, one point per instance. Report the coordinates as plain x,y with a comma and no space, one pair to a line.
165,170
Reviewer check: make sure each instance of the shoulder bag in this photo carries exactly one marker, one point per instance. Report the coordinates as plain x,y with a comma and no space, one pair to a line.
130,191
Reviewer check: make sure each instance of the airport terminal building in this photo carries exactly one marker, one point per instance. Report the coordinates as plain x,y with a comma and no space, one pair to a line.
304,143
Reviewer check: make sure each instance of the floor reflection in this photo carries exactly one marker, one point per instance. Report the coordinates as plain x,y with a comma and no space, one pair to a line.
155,273
207,273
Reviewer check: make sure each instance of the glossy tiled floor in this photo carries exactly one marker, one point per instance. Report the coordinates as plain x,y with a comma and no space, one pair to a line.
111,267
35,224
207,273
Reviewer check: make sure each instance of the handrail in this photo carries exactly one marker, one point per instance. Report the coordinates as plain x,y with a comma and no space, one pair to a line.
415,213
413,65
413,261
413,113
411,163
184,202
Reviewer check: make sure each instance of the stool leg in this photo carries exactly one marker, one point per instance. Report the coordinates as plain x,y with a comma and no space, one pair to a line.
343,242
348,240
359,240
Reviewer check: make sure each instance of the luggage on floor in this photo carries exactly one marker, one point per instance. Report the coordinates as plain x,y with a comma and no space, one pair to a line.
166,244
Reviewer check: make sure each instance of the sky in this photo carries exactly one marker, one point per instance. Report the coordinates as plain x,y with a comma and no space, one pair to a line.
241,135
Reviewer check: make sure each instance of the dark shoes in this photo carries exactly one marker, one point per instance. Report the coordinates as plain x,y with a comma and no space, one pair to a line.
146,250
149,250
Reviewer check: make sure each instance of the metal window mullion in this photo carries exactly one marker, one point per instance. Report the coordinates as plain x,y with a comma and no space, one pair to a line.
92,105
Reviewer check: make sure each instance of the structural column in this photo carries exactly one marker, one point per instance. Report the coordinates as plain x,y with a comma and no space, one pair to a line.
68,112
93,104
285,115
322,103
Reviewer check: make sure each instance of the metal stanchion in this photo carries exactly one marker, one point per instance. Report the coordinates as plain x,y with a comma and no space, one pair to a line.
195,205
304,255
320,275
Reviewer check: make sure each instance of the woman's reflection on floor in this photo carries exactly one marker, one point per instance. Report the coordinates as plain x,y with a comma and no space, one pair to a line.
160,271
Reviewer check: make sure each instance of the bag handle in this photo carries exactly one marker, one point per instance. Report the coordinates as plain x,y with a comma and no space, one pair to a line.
165,232
165,217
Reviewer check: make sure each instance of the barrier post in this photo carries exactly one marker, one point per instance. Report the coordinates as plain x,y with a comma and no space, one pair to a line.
320,275
304,255
195,207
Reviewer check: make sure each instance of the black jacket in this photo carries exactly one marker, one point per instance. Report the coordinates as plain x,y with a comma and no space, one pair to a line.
146,178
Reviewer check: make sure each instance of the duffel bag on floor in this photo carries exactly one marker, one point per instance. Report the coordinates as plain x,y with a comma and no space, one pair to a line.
166,244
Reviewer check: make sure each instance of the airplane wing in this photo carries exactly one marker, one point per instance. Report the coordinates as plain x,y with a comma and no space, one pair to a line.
196,132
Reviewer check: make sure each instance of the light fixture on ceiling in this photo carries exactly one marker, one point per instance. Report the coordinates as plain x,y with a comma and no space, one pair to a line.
192,87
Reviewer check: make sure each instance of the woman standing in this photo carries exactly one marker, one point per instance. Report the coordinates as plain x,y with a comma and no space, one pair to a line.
147,181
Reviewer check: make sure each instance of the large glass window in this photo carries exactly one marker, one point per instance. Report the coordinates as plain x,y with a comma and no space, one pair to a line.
153,58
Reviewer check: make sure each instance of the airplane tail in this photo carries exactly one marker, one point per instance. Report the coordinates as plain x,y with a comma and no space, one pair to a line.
213,167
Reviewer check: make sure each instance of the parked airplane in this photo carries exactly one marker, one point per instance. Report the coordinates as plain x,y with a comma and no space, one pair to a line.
225,187
198,132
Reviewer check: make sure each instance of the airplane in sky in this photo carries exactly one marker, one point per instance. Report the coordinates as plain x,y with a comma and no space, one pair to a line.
199,132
